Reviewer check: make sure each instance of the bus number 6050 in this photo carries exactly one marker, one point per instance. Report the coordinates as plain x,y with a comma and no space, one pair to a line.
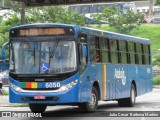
53,85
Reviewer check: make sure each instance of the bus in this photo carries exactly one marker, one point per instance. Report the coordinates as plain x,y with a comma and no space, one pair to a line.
89,9
58,64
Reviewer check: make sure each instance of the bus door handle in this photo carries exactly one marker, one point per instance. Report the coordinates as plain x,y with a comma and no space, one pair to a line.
88,79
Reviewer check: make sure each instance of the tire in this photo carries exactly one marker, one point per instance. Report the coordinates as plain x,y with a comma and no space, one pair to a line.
128,102
90,106
37,108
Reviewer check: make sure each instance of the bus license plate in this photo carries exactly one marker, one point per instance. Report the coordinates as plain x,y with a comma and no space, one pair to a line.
39,97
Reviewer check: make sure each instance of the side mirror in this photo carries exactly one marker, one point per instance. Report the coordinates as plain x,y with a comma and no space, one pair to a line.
4,52
83,53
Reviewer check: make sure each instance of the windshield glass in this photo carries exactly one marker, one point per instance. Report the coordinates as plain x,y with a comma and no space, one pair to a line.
43,57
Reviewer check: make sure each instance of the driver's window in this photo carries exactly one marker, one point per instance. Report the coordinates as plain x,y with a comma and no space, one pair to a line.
82,40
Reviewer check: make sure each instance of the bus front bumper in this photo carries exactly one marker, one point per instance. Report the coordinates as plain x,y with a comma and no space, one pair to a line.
47,97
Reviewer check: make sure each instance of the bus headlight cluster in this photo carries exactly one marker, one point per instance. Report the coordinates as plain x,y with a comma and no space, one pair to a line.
16,88
68,86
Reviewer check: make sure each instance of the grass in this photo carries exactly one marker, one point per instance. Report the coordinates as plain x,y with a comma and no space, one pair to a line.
22,105
150,31
156,80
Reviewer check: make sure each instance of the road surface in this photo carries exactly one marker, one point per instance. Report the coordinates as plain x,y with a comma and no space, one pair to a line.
145,104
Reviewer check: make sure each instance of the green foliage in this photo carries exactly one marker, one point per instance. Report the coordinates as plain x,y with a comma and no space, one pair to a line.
156,60
11,21
119,21
5,92
156,80
126,22
150,31
107,13
21,105
56,14
157,2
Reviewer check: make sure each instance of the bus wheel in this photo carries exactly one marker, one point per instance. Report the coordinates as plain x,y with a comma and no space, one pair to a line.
37,108
128,102
90,106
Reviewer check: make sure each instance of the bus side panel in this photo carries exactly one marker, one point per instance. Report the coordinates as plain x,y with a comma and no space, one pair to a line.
131,76
150,79
111,88
91,74
143,80
118,84
145,76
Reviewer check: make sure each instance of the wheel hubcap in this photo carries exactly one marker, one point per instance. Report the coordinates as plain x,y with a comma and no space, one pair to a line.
93,101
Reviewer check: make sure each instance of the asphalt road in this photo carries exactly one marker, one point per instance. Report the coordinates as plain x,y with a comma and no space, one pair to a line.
148,103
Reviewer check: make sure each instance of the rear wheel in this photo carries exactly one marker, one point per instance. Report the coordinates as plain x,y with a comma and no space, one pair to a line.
128,102
37,108
90,106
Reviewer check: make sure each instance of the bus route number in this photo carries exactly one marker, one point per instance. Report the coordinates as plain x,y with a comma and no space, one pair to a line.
53,85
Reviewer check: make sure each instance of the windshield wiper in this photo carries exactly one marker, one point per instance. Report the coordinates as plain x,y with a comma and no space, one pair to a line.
52,52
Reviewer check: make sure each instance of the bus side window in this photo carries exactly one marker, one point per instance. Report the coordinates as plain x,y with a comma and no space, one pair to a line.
82,38
113,48
139,53
127,53
143,55
97,47
131,52
123,49
95,53
119,55
105,50
136,54
147,53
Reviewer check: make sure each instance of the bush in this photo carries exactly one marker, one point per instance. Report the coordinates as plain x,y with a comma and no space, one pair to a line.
4,92
156,80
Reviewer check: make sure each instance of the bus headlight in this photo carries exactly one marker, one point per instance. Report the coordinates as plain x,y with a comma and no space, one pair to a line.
16,88
68,86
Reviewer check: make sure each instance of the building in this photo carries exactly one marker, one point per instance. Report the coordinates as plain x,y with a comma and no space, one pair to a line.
143,7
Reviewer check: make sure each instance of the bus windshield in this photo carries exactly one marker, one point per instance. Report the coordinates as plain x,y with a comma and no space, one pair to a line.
53,57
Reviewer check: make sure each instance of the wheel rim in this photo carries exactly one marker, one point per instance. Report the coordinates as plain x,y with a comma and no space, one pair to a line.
93,101
133,95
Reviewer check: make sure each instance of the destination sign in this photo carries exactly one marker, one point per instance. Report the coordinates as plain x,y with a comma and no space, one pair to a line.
41,31
66,2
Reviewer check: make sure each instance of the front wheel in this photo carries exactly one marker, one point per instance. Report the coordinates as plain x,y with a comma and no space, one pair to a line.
37,108
90,106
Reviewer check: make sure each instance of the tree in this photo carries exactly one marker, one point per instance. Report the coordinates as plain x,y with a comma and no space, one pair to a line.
50,14
55,14
119,21
157,2
156,60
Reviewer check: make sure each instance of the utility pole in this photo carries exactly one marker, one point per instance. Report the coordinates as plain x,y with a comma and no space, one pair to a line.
150,7
22,12
151,4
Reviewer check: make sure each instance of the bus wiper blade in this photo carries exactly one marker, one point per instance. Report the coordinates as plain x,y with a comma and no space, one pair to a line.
52,52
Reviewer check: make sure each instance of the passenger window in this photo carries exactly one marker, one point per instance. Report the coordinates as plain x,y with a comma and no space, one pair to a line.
95,53
123,52
131,52
113,47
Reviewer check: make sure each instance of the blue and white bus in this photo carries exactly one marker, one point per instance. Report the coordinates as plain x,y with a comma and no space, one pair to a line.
56,64
89,9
